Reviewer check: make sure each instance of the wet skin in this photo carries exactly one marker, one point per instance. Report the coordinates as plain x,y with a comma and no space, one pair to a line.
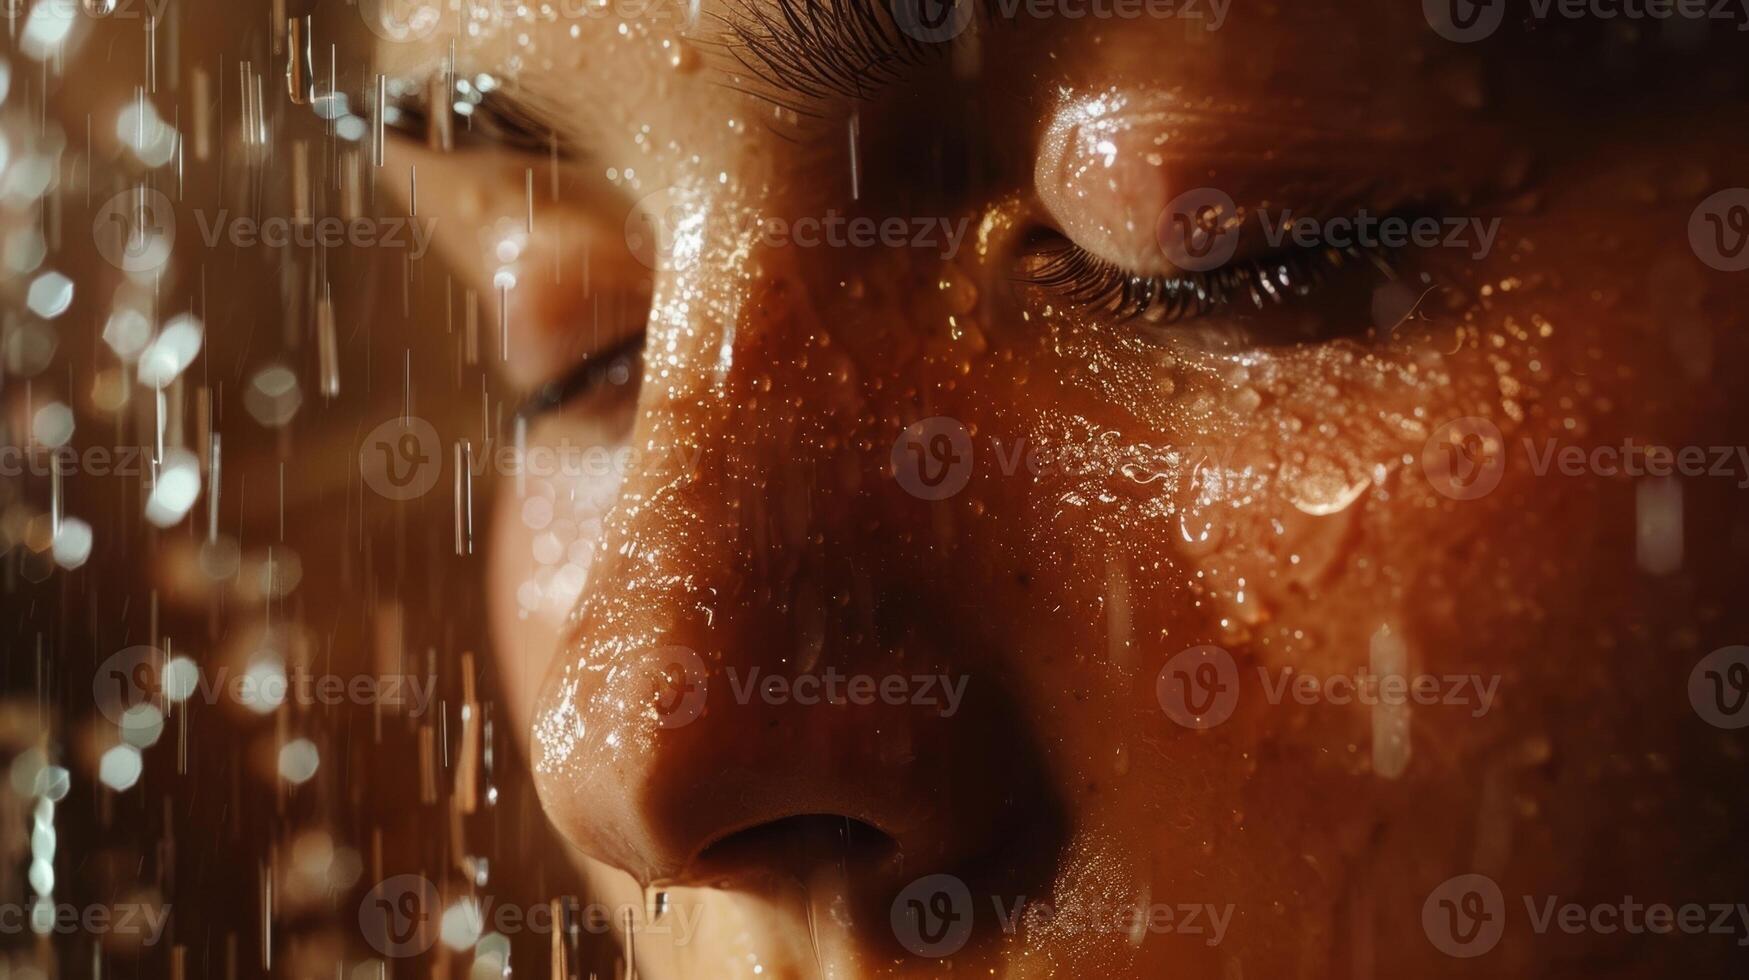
1252,481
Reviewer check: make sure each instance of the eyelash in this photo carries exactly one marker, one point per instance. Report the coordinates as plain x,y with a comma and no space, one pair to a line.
821,47
1256,284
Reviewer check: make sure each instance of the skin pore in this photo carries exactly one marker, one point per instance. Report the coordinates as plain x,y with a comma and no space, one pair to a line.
1252,480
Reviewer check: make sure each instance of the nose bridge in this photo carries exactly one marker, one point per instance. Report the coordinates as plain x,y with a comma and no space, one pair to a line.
712,576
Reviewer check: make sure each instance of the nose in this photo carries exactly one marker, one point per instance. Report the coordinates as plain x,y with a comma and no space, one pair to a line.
758,679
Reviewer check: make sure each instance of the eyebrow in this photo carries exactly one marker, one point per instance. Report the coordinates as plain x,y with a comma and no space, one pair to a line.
813,52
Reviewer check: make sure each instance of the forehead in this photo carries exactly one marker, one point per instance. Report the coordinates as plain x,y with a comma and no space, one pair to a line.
610,64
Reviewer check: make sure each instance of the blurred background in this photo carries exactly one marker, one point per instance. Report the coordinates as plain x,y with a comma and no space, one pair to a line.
246,708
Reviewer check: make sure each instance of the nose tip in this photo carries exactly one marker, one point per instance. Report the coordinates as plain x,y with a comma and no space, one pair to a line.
755,681
689,767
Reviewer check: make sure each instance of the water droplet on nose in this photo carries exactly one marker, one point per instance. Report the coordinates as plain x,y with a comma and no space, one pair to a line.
1198,533
1323,488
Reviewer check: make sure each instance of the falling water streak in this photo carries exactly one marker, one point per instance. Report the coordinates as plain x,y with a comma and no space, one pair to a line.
181,154
1658,524
327,345
440,106
457,453
298,65
152,53
1117,612
471,329
212,497
158,426
247,125
553,173
631,949
413,191
260,100
504,322
521,455
528,193
813,933
300,182
378,120
561,969
55,503
266,917
351,186
1390,722
280,23
855,163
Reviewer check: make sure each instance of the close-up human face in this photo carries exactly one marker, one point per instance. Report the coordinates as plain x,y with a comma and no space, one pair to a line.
1017,488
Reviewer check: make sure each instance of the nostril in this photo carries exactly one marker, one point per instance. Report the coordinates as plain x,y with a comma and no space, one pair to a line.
792,847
